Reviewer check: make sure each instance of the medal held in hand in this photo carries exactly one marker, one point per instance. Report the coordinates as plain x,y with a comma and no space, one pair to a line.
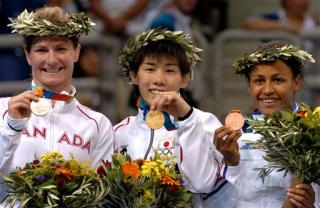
40,108
234,120
155,119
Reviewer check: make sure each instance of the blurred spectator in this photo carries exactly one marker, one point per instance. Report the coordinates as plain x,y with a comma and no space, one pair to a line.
293,17
123,17
72,5
13,62
175,15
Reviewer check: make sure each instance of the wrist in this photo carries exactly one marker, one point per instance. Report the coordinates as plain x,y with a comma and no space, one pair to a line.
187,115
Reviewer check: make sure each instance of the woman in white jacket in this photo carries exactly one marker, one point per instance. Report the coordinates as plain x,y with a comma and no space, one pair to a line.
47,117
158,63
274,75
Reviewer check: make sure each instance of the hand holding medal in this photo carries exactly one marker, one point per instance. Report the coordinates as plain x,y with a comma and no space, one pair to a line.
234,120
155,119
225,137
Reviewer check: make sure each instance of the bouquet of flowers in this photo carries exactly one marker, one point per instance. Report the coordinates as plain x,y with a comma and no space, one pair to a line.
291,142
143,183
55,182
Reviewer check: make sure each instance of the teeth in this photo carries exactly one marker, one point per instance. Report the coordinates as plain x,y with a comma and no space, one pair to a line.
155,92
268,100
52,70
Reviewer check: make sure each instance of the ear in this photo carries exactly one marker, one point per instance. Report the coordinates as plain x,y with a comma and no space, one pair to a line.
133,77
27,57
77,53
297,83
185,80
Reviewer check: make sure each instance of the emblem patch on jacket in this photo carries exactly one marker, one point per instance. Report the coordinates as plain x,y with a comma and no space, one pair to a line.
166,146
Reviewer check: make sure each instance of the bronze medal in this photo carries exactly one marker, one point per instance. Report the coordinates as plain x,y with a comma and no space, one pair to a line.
154,119
40,108
234,120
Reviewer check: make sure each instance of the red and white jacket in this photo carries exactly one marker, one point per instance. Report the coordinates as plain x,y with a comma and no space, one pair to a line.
68,127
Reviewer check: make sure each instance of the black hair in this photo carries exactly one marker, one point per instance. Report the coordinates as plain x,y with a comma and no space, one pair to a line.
162,48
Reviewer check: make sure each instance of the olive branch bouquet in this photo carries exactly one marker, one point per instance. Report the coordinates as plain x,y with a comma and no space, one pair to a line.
291,142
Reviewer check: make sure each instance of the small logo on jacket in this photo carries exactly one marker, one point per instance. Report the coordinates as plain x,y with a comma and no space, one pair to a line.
246,147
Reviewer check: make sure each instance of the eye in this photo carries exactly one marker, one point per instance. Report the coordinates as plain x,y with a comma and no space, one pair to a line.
40,50
278,80
149,69
170,70
258,81
61,49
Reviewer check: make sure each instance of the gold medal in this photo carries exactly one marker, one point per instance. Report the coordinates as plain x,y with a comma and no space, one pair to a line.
40,108
155,119
234,120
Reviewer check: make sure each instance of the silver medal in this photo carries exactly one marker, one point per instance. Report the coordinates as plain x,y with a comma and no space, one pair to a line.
40,108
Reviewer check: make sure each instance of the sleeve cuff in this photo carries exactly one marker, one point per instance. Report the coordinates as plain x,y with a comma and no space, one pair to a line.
16,124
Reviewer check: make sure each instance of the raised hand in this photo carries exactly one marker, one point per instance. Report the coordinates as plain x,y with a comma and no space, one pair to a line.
226,142
170,102
19,106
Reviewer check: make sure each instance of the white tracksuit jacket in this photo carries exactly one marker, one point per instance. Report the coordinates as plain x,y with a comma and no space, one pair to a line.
191,143
245,189
69,128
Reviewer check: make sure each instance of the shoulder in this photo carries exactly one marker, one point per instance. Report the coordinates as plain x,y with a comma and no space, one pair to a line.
124,125
205,116
201,119
92,114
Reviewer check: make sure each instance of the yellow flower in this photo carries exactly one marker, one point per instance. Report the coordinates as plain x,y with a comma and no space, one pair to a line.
52,156
316,110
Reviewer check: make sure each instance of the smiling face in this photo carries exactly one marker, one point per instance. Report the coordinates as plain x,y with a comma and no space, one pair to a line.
156,74
52,60
273,87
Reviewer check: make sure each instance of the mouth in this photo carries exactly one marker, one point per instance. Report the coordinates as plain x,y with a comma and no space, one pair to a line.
155,92
52,71
268,101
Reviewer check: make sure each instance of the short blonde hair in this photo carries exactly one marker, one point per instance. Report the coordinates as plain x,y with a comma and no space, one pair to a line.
53,14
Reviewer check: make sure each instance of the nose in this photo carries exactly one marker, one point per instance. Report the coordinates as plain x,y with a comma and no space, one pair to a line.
268,88
158,77
52,58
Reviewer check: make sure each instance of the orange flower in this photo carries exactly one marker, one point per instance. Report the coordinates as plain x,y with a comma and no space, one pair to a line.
131,169
173,184
301,113
169,181
65,172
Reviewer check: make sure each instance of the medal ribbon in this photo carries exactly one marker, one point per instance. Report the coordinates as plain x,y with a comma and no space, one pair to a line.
168,124
50,95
